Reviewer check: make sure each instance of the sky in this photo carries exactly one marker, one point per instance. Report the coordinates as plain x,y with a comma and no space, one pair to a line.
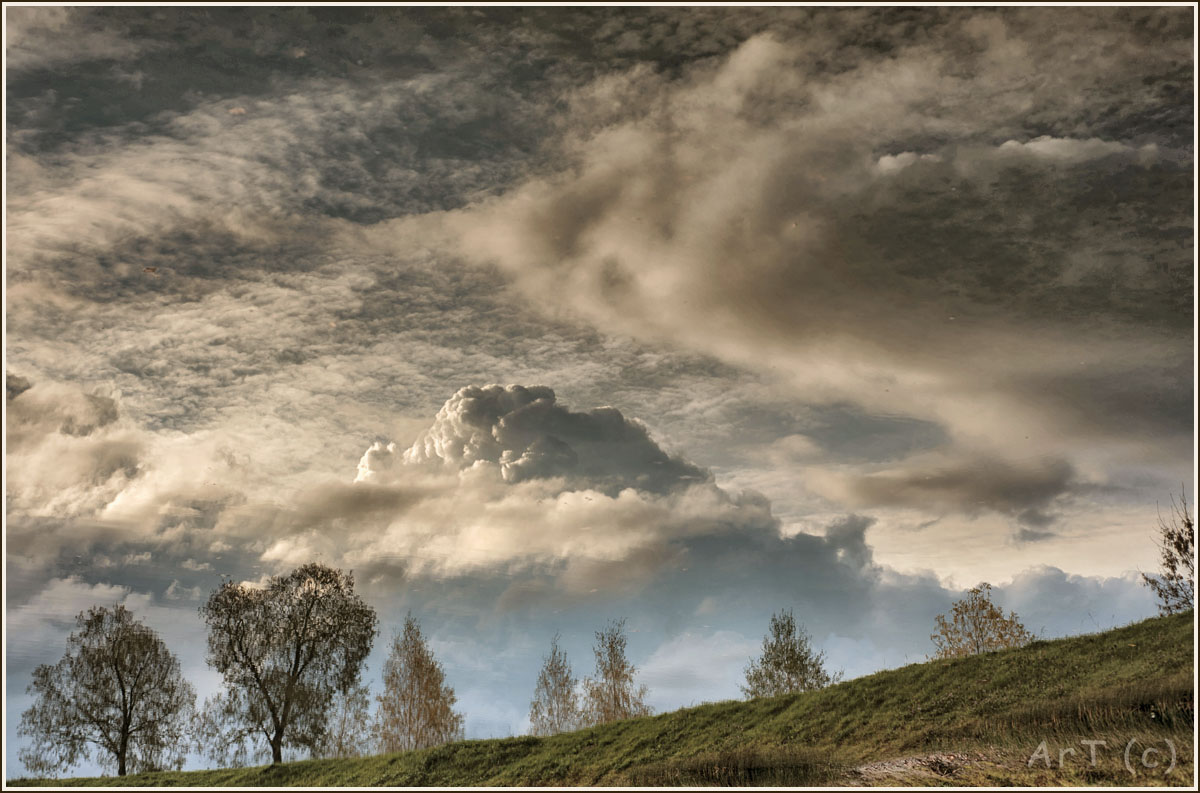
536,318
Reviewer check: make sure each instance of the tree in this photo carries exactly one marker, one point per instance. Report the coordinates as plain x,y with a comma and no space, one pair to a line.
977,626
788,663
416,708
284,650
117,689
555,705
611,695
349,725
1176,587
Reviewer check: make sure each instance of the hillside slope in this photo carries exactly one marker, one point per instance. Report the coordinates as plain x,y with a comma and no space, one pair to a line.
975,720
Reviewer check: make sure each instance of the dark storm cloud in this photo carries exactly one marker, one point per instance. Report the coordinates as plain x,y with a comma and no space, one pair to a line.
969,486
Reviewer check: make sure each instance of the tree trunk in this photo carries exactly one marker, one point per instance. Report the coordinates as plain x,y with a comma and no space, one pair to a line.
122,751
277,749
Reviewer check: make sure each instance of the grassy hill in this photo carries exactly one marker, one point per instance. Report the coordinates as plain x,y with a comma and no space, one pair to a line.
970,721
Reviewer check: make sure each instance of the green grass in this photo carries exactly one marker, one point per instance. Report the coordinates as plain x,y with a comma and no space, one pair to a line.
987,714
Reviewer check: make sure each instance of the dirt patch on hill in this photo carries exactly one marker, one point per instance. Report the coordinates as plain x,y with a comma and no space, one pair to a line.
921,769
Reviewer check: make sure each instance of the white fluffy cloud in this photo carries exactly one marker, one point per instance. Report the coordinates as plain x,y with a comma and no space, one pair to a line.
507,478
529,436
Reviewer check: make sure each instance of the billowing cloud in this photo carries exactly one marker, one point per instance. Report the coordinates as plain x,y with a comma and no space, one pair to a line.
529,436
1051,602
68,454
82,474
507,478
833,228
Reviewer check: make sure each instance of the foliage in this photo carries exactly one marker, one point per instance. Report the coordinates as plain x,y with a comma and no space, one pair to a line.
612,695
977,626
1176,587
118,689
284,651
787,664
416,708
555,705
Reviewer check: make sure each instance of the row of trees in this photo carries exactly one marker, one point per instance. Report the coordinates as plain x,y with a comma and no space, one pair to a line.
291,654
561,704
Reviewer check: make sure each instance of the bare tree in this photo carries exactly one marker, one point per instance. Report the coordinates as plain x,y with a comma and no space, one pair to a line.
977,626
788,663
117,689
416,708
555,705
1176,587
612,695
284,650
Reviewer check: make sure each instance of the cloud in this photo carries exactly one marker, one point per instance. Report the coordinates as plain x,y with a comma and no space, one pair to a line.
1070,151
61,600
529,436
1033,535
851,232
839,256
14,385
1053,603
507,479
39,626
672,675
38,38
966,487
82,475
68,454
176,591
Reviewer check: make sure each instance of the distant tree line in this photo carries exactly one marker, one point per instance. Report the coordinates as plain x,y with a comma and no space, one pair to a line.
291,653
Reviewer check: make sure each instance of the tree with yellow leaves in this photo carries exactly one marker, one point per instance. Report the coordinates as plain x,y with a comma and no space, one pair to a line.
977,626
